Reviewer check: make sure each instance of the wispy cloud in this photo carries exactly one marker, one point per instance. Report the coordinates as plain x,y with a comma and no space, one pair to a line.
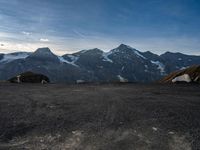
79,34
44,40
26,33
63,46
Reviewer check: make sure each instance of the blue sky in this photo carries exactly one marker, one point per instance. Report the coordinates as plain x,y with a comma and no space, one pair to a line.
67,26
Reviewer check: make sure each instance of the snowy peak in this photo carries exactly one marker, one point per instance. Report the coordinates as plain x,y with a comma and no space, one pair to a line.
127,50
13,56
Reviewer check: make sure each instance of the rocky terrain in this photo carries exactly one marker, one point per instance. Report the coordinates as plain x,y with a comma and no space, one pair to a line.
192,72
99,117
124,64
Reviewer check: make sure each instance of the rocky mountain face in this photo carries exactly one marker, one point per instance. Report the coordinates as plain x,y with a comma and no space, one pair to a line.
43,55
179,61
124,64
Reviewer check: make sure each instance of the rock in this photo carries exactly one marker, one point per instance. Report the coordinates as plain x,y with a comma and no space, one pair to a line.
182,78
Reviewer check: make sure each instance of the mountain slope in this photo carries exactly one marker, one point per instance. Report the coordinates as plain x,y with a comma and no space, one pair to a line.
130,64
176,61
43,54
45,62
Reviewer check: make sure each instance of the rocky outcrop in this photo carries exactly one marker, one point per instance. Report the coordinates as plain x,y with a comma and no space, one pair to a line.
188,75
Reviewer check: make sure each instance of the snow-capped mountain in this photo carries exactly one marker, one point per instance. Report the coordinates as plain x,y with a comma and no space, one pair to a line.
5,58
124,64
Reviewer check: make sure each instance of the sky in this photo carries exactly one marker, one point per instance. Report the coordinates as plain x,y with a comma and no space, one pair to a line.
67,26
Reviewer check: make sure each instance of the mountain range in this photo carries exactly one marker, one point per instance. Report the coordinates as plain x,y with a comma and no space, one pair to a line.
124,64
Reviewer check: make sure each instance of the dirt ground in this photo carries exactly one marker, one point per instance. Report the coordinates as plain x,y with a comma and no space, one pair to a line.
99,117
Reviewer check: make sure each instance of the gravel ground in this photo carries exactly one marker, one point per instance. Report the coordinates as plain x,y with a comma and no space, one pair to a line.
99,117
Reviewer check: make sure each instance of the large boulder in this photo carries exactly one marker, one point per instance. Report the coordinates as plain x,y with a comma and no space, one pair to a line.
29,77
182,78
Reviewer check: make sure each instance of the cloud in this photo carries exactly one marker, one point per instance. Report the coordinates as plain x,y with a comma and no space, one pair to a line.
70,44
44,40
26,33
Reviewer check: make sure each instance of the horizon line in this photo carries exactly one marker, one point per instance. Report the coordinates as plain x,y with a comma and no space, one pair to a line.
56,51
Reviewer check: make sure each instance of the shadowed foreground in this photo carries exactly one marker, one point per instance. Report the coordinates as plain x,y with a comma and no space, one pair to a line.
99,117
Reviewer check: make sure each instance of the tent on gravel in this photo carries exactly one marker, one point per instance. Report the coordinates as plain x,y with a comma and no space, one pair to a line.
30,77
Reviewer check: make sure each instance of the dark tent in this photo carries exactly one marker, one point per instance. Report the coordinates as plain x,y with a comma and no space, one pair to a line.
29,77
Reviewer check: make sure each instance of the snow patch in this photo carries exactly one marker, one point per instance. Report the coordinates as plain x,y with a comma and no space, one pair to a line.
171,132
73,58
106,57
196,79
137,52
62,60
80,81
146,68
179,58
182,78
11,57
101,67
83,51
154,129
182,68
160,65
122,79
139,55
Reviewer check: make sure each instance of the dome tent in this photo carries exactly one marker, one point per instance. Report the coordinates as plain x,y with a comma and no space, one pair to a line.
29,77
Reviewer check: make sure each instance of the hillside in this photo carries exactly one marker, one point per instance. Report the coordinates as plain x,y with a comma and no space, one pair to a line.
193,72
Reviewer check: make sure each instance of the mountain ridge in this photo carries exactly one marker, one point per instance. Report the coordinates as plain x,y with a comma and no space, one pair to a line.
95,65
